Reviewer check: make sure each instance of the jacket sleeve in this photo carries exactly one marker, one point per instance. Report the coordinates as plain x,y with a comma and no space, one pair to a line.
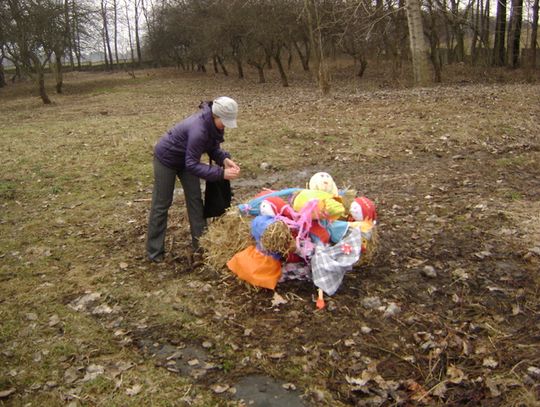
218,155
195,148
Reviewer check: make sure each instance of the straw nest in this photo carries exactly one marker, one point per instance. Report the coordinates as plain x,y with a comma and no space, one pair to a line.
224,237
277,239
372,246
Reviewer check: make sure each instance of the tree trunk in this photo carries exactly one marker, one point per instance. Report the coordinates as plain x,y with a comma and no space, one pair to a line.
268,56
420,61
304,59
40,79
137,37
289,58
106,59
500,31
514,33
434,42
58,71
129,34
323,74
362,62
282,74
17,74
68,34
475,24
76,35
534,34
115,5
222,65
457,28
2,75
106,37
239,67
260,71
487,19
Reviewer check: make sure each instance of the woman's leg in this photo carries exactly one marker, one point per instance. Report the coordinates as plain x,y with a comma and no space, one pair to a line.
194,203
162,197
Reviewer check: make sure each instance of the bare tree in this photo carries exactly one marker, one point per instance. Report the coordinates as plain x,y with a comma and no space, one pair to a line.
2,74
514,32
317,44
137,33
31,29
129,31
500,32
106,38
115,26
534,34
421,71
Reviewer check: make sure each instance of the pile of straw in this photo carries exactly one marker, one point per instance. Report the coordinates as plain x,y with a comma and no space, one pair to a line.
224,237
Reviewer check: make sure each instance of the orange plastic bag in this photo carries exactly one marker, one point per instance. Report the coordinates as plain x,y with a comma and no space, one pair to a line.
256,268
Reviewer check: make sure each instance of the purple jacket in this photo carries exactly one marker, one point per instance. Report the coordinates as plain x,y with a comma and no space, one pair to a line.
183,145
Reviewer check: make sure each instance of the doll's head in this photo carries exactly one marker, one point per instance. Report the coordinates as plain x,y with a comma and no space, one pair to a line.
272,206
322,181
363,209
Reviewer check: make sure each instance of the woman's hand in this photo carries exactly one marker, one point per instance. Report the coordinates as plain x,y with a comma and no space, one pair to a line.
228,163
231,173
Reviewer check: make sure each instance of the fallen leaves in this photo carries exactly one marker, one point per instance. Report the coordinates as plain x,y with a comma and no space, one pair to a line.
454,374
134,390
490,362
220,388
93,371
6,393
278,300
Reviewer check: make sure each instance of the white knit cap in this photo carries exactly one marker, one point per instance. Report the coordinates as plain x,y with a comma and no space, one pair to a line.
226,109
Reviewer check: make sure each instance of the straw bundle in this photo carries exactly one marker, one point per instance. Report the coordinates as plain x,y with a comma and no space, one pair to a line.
277,239
347,198
224,237
372,246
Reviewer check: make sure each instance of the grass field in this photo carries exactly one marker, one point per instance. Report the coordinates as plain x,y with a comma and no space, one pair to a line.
454,171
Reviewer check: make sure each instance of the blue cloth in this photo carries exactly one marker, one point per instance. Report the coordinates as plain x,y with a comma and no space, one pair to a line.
259,225
337,229
183,146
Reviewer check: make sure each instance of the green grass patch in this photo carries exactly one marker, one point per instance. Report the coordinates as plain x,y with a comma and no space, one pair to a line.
7,190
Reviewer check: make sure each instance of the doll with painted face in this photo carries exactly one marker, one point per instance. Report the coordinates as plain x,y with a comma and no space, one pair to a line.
361,209
323,189
273,206
363,216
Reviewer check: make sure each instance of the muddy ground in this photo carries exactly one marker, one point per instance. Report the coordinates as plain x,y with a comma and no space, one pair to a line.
455,173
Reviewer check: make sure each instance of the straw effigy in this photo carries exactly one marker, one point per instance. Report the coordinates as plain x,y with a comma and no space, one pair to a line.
224,237
231,233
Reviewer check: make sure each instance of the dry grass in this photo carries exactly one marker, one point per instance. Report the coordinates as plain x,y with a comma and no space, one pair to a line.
443,164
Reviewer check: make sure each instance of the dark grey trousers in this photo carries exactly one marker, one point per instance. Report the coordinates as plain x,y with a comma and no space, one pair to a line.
162,198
